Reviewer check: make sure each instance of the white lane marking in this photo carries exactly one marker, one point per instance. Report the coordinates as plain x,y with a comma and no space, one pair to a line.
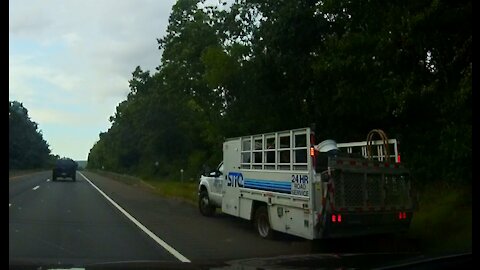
140,225
48,180
35,188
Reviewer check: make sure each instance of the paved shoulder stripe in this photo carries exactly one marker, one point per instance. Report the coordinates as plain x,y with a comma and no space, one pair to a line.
140,225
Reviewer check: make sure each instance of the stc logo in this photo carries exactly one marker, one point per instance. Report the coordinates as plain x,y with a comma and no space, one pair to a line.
235,179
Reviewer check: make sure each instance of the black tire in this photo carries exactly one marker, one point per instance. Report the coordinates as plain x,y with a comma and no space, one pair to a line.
74,178
54,178
262,223
204,205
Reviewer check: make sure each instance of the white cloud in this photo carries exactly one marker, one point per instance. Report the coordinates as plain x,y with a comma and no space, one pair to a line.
26,20
71,60
51,116
72,39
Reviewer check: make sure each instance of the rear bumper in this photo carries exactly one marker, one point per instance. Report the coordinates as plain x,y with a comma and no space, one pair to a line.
63,173
357,224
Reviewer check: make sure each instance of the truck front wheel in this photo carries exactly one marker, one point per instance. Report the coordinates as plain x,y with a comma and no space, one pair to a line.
262,224
204,205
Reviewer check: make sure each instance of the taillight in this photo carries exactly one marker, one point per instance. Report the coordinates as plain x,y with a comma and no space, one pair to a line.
398,152
312,151
336,218
400,215
404,215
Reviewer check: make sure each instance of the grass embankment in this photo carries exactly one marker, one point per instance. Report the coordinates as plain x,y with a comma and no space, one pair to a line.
16,173
186,191
443,223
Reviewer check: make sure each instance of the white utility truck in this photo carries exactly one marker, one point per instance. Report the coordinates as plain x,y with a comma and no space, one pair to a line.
284,182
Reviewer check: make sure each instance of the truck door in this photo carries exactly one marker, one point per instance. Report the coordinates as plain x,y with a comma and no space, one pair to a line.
233,177
216,188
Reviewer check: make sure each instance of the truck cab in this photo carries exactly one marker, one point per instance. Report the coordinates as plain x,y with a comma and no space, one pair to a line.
210,190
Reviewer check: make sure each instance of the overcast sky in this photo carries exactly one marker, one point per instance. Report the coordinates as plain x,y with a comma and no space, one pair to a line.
70,62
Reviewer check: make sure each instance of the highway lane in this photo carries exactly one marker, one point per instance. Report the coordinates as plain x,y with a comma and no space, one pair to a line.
19,184
71,222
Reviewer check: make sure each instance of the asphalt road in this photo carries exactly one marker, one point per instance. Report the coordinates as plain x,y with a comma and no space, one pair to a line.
70,222
80,223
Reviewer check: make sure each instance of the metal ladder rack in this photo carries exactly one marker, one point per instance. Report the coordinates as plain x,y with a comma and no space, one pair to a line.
352,147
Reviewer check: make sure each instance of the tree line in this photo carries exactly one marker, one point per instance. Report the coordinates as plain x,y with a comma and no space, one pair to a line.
26,149
346,66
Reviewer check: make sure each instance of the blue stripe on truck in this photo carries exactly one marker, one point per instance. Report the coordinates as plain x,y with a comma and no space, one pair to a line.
283,187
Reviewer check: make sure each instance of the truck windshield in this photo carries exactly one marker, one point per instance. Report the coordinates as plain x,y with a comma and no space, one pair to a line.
220,167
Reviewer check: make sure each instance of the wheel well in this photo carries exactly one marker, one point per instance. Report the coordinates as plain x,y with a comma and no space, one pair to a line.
202,188
255,206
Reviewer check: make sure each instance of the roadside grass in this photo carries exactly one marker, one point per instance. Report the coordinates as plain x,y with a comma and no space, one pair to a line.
15,173
126,179
186,191
443,222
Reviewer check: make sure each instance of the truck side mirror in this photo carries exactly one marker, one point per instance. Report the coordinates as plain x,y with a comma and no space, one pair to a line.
215,174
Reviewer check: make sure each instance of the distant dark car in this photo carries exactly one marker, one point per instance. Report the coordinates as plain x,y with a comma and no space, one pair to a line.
65,168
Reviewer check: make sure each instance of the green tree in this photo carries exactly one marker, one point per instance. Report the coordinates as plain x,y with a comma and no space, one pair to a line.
27,148
346,66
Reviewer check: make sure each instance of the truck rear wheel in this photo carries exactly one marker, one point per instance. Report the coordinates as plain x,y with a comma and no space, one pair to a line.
262,224
204,205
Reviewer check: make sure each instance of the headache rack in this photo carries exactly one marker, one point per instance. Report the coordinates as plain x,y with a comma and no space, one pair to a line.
369,185
368,176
